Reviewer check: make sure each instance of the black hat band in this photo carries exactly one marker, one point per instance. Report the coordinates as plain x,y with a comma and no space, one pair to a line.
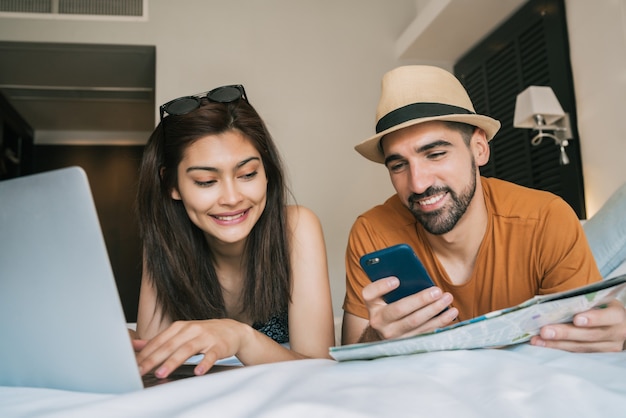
418,111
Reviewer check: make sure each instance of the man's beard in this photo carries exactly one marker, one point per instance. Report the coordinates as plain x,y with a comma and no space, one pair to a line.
444,219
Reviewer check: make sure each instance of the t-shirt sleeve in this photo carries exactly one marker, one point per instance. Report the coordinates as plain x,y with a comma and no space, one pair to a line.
565,259
361,241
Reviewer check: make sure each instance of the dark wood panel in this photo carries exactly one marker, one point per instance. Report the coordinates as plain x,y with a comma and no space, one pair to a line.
112,173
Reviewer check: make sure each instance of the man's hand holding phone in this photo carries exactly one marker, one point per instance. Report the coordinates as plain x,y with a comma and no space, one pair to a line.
402,300
412,315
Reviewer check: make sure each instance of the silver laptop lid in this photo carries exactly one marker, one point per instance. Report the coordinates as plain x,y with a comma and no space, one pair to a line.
62,321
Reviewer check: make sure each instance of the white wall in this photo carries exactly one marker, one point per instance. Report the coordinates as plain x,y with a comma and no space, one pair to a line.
313,71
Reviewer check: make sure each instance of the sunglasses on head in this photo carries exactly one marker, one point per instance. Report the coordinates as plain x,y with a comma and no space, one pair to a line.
186,104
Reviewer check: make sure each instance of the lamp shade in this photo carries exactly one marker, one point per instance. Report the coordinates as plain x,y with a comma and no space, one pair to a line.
536,100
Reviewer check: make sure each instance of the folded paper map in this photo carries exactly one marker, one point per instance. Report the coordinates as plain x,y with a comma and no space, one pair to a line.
498,328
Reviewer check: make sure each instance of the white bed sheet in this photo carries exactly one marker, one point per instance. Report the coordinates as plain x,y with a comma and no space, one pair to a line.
522,381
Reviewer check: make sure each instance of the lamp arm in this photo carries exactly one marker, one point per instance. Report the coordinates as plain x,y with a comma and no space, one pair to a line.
536,140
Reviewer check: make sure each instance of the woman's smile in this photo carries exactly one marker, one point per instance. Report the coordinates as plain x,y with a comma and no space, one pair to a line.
231,218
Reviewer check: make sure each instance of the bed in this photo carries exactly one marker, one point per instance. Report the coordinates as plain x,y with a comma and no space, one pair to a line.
521,381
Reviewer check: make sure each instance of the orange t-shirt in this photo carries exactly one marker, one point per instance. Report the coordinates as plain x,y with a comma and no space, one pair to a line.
534,245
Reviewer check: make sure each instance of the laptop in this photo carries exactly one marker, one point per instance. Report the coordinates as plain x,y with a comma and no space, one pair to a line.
63,325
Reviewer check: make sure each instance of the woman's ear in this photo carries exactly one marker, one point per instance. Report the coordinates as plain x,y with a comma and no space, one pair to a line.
174,194
480,147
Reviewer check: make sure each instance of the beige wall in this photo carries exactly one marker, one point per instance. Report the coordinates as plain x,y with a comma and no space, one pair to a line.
313,71
597,32
311,68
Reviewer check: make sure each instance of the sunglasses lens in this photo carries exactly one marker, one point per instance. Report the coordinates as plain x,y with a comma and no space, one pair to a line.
225,94
182,106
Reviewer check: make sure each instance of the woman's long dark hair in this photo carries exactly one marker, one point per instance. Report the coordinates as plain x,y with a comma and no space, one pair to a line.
177,257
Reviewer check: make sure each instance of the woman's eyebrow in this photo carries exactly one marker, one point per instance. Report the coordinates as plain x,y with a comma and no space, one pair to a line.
247,160
201,168
214,169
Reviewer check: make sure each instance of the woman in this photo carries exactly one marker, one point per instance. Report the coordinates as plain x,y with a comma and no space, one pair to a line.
229,268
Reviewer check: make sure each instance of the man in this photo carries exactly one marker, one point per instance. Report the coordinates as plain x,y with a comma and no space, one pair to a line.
486,243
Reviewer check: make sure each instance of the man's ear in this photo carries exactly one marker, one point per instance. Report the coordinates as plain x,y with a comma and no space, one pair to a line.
480,147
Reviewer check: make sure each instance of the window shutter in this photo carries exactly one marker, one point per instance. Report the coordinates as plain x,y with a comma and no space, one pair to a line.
531,48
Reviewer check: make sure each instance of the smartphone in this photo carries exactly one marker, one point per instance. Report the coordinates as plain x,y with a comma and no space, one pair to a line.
399,261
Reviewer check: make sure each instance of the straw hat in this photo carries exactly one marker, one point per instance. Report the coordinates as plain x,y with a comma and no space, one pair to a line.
418,93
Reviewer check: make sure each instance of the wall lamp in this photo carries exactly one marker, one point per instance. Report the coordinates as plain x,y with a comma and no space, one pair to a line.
537,108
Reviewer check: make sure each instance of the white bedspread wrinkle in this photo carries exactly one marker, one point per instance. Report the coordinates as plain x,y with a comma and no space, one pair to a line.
521,381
